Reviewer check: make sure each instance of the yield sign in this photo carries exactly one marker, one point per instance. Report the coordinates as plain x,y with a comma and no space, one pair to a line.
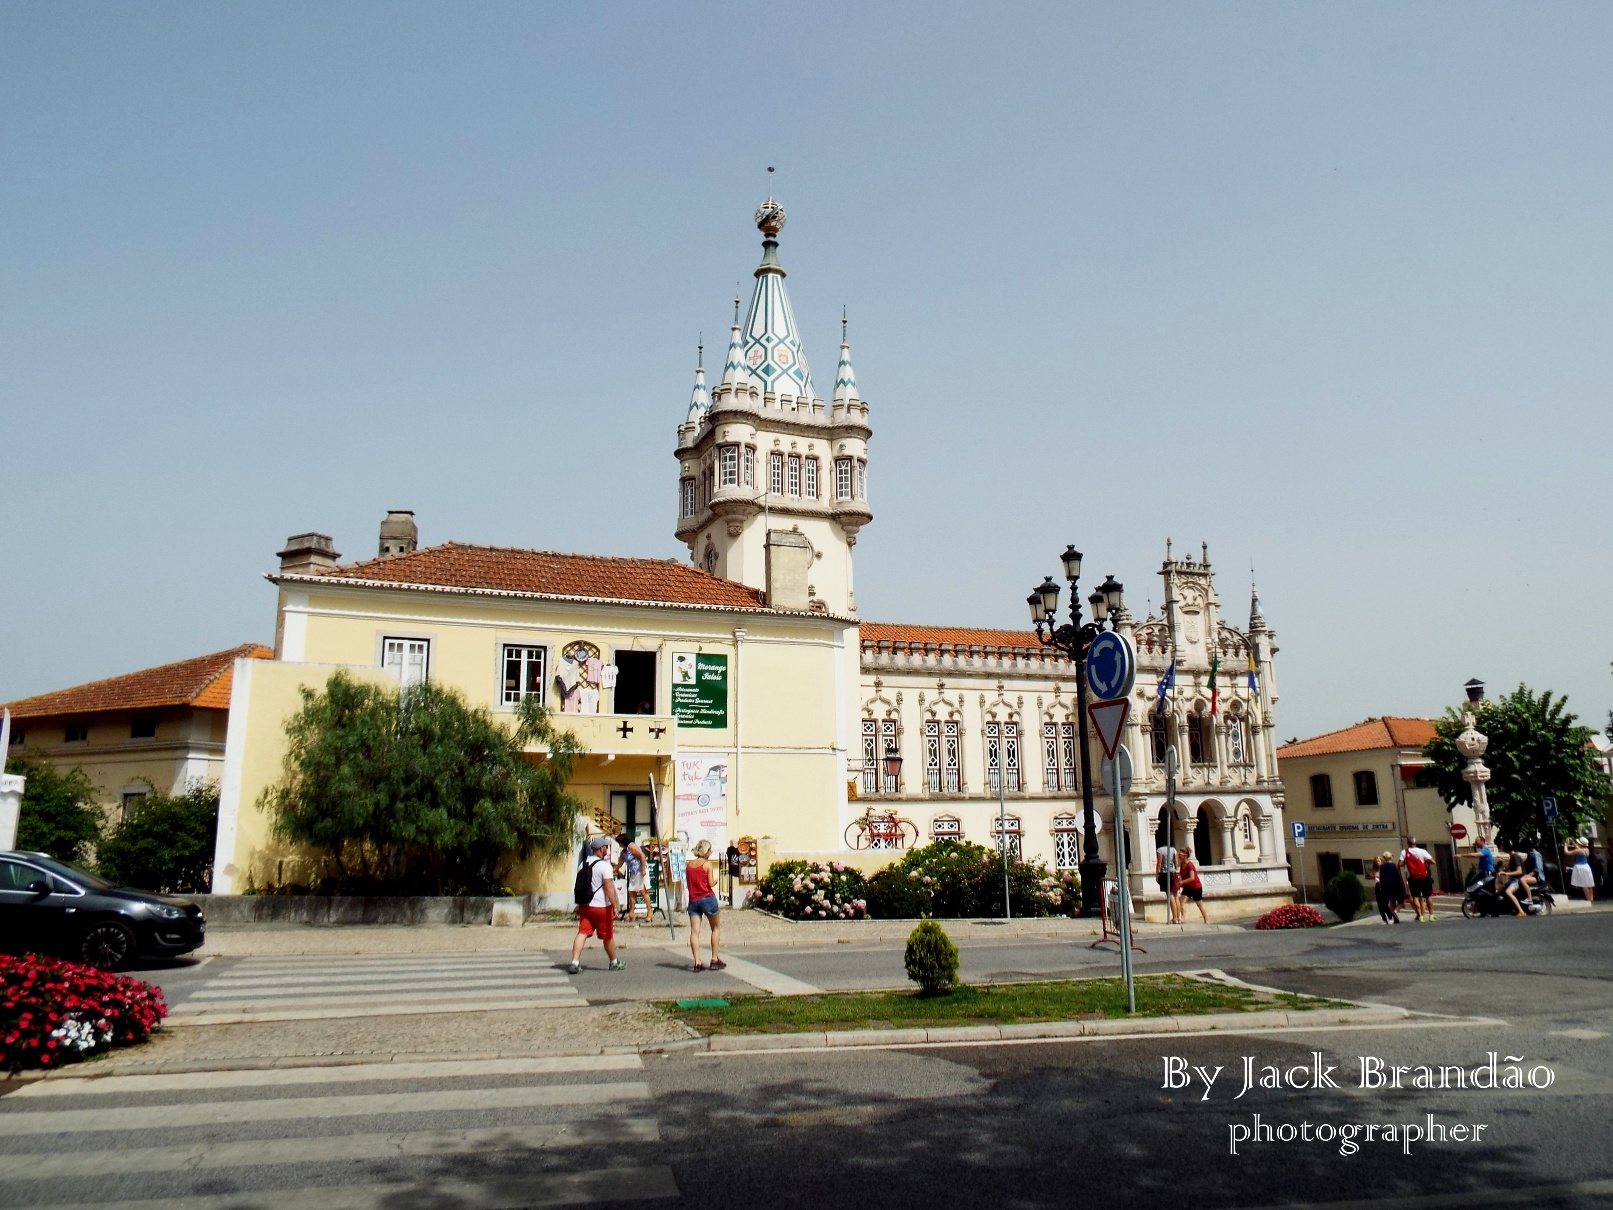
1108,719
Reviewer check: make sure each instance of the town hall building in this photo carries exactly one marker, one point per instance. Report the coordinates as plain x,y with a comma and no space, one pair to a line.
740,696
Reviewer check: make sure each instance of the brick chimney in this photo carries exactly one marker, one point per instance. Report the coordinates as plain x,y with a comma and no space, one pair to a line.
399,535
306,553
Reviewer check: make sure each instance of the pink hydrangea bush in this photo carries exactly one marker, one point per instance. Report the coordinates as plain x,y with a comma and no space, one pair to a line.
53,1012
803,890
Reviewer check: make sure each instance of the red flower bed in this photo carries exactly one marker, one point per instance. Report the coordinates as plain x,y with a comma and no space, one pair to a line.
54,1012
1291,916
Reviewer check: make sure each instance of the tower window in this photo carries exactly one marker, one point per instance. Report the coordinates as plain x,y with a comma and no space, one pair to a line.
842,478
728,463
750,466
809,487
862,479
775,473
793,483
688,497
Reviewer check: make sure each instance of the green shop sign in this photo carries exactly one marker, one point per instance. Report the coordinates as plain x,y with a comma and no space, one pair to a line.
700,689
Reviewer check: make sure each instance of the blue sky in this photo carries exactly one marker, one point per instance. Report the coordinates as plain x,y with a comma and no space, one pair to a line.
1328,287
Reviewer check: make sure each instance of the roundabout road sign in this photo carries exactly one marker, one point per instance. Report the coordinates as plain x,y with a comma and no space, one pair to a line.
1111,666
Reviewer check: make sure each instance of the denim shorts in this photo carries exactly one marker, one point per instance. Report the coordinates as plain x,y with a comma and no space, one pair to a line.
703,907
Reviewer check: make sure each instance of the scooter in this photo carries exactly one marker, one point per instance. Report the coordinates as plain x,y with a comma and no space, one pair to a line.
1482,899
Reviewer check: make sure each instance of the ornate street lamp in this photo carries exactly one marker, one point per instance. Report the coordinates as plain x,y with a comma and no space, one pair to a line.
893,770
1073,638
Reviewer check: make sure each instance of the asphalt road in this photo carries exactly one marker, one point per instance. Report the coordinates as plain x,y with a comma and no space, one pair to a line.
1021,1125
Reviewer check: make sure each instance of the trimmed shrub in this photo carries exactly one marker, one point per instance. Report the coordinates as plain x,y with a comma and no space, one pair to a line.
1291,916
54,1012
165,843
811,890
1344,895
931,959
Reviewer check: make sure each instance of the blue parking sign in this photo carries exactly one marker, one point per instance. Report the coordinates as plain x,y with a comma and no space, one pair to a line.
1299,834
1548,807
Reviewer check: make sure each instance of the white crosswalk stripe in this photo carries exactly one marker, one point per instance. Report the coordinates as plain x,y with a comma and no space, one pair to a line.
291,989
474,1134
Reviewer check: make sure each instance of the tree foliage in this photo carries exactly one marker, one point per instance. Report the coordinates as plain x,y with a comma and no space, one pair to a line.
59,812
1537,750
391,786
165,843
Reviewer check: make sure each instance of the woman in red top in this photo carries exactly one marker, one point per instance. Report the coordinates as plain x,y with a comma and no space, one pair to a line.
1192,886
702,902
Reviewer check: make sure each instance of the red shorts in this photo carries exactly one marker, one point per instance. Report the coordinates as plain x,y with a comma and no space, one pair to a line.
597,922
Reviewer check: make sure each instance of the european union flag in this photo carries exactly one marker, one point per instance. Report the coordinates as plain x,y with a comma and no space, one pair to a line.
1166,684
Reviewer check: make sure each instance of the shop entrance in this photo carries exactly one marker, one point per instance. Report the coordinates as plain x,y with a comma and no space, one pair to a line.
634,810
635,682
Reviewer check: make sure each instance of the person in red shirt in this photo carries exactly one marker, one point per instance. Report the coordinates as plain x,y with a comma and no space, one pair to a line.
703,902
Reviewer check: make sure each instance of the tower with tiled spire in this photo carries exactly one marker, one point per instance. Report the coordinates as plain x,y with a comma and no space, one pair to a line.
773,485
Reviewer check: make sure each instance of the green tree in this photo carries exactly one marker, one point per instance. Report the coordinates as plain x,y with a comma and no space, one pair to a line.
165,843
59,812
1537,750
382,781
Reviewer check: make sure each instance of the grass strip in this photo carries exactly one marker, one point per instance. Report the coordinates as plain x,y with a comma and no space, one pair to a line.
995,1004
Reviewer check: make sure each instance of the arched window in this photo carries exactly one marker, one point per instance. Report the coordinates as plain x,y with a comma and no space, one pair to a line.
1237,740
1156,732
1006,827
1202,850
1066,842
946,827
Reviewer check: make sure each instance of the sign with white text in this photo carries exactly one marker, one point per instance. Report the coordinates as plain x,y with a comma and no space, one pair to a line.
700,689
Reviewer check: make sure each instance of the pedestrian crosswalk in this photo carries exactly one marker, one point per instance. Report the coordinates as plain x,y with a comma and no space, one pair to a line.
472,1134
303,988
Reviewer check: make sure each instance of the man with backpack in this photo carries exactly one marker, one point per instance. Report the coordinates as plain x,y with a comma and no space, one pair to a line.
1418,864
595,896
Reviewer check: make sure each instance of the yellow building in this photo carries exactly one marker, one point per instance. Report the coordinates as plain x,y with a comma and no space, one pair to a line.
1364,791
158,729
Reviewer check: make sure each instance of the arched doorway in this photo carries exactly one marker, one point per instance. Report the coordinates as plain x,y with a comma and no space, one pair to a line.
1203,851
1163,830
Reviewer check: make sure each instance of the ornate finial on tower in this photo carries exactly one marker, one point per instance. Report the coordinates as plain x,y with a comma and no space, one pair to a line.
699,400
1205,547
1257,620
1167,550
845,378
842,324
770,215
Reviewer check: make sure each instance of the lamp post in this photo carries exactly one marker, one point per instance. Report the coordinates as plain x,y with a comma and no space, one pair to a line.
1073,638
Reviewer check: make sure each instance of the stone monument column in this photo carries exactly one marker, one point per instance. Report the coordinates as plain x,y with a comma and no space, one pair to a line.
1471,744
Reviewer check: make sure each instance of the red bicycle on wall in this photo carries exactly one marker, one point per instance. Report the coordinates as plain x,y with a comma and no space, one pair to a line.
881,830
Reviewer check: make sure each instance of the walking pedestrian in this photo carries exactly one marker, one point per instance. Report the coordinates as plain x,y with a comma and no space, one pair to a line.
1388,888
1583,876
631,864
1418,864
1188,882
1165,876
703,902
595,895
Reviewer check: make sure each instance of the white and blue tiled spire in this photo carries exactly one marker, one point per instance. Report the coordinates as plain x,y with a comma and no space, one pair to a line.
772,353
845,376
699,400
734,373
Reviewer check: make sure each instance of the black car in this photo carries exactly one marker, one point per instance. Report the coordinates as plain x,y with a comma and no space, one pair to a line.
50,907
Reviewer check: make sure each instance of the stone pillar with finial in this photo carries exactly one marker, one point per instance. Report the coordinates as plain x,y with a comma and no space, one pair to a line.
1472,744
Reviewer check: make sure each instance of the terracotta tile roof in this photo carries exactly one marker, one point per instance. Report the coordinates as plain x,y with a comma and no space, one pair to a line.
203,681
1370,736
951,636
549,573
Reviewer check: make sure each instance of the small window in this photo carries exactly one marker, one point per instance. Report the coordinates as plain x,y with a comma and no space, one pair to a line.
143,728
17,737
76,733
793,481
1006,829
1066,842
1366,788
1195,739
775,473
131,799
1157,736
809,487
862,479
688,497
1321,791
406,659
842,478
946,827
523,673
750,466
728,466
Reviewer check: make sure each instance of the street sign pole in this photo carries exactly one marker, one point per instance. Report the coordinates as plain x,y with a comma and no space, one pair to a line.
1002,829
1299,843
1548,806
1124,873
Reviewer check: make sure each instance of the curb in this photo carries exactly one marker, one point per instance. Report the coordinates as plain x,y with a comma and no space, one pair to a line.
851,1039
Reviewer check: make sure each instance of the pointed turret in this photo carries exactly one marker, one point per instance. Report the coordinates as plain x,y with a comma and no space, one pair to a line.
734,373
772,353
845,376
1257,620
699,400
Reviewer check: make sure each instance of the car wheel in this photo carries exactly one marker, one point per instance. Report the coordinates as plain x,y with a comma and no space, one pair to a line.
107,945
